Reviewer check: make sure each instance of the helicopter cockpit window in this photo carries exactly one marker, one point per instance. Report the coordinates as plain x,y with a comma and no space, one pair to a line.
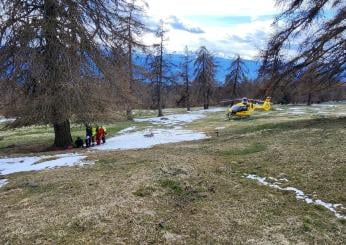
238,108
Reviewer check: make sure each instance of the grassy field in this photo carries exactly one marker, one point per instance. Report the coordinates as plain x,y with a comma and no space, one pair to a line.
191,192
36,139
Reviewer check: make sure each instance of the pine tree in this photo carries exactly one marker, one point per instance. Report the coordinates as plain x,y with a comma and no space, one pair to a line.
134,28
319,39
52,61
157,67
185,74
236,75
205,72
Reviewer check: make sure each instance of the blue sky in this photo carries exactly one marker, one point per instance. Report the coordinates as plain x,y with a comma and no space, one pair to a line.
225,27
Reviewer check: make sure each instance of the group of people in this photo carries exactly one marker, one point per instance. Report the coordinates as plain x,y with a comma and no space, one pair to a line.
94,135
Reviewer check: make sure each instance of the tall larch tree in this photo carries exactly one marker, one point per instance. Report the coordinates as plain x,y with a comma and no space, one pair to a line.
185,73
157,67
317,31
134,29
236,75
205,72
51,63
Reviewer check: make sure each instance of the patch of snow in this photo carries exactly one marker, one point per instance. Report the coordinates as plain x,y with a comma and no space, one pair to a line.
149,138
297,113
216,109
284,179
171,237
175,119
3,182
178,119
24,164
219,128
261,180
126,130
271,178
323,105
6,120
128,138
300,195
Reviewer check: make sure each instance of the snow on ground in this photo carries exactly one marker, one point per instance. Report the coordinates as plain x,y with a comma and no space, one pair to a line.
131,139
126,139
149,138
297,111
3,182
175,119
6,120
35,163
323,105
179,119
326,109
300,195
216,109
127,130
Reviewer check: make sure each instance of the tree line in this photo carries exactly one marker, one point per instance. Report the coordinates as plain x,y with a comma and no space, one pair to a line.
69,60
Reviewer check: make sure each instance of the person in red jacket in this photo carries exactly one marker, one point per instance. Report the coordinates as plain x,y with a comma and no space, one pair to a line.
98,135
104,134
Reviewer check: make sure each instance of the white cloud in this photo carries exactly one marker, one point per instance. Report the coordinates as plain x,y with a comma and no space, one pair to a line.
214,19
163,9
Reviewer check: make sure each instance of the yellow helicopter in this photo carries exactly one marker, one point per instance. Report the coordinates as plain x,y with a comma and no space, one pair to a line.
246,107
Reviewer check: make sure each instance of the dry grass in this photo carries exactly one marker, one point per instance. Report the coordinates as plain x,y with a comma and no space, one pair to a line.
189,193
36,139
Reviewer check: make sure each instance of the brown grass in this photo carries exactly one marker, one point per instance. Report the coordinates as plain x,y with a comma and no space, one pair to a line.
188,193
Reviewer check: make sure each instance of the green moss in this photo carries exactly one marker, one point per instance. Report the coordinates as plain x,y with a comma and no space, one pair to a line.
144,191
253,148
172,185
306,227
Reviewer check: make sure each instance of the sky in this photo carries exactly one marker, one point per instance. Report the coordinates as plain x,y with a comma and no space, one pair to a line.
225,27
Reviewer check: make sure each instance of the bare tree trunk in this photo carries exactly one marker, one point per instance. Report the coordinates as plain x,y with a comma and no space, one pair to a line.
159,97
187,80
206,97
160,114
206,100
62,130
236,78
188,107
130,40
129,104
205,92
62,133
309,102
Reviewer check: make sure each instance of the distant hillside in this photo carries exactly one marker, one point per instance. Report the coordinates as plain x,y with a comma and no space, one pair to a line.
223,65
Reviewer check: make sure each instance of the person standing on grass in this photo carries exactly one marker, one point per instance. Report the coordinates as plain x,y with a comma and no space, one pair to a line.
102,134
93,135
98,136
88,135
104,130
